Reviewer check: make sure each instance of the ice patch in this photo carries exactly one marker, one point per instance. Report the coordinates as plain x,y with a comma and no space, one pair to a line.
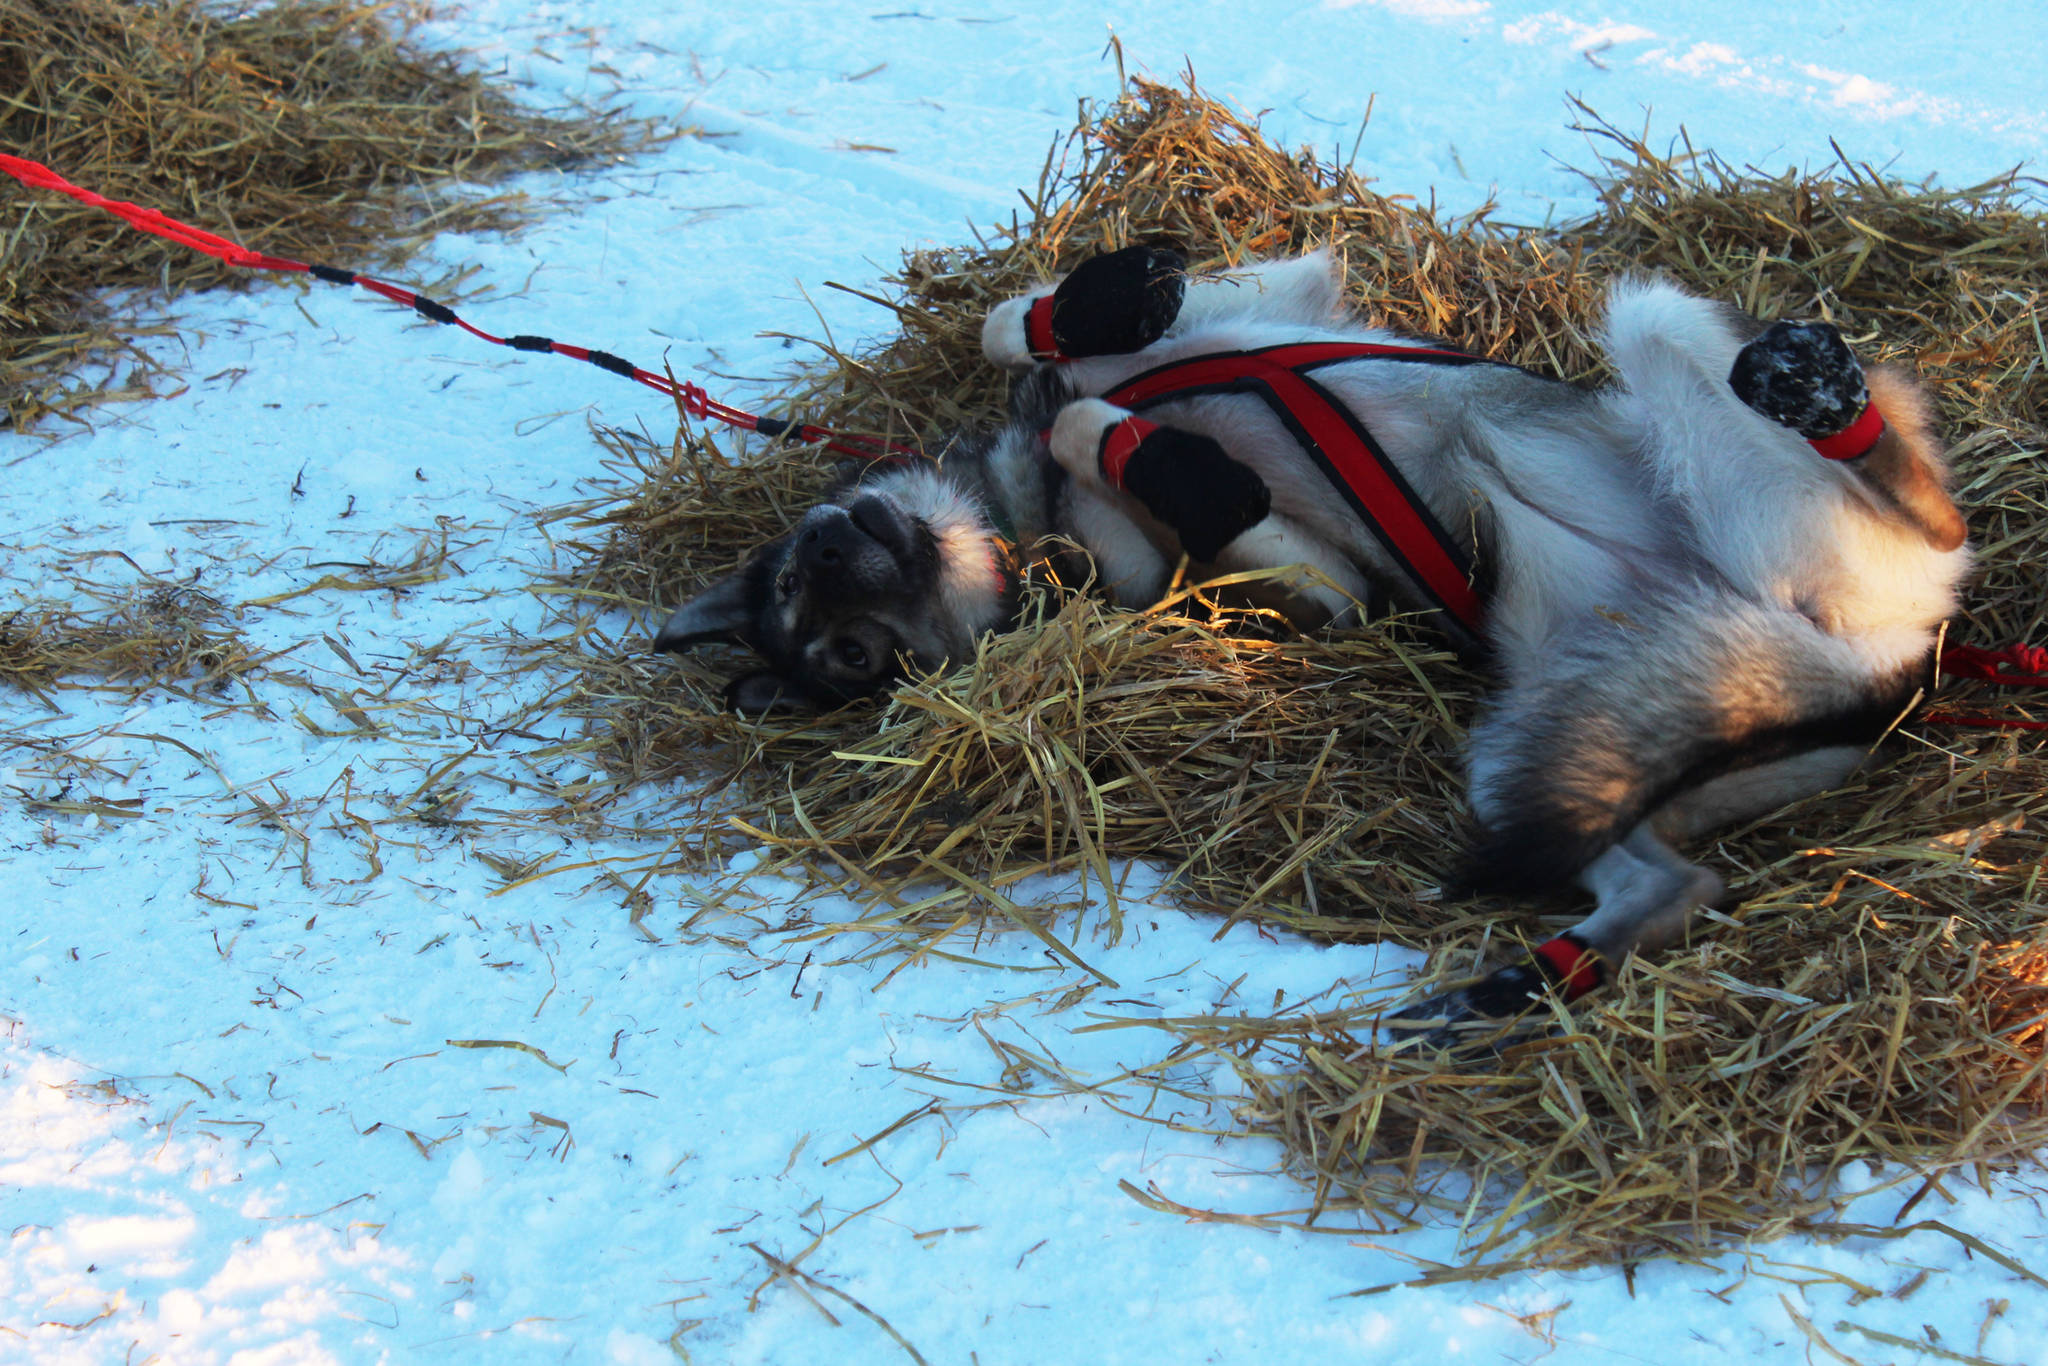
1703,59
99,1239
1573,34
465,1180
1439,11
1872,97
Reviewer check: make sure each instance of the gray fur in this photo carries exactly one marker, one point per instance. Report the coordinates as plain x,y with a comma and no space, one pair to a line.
900,571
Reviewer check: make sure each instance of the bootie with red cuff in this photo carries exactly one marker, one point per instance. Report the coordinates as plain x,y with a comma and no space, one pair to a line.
1565,965
1804,376
1186,480
1111,305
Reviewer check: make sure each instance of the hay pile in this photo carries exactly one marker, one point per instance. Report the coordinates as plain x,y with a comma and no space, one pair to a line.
150,634
1878,990
311,128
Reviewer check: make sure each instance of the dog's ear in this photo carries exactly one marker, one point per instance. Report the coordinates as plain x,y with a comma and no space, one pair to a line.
721,612
755,693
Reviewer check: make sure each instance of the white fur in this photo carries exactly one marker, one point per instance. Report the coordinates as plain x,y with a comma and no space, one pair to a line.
1003,334
970,575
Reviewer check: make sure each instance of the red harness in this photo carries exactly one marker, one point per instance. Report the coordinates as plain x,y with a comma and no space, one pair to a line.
1333,437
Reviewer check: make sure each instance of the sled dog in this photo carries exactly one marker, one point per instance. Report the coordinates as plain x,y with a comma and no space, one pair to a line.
1705,589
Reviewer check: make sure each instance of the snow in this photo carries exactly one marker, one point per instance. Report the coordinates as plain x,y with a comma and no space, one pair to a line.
236,1123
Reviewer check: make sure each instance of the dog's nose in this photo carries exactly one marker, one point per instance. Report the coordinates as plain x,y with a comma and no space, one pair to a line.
822,549
827,541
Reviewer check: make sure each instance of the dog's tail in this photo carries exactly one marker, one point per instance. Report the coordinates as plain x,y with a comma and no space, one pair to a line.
1646,705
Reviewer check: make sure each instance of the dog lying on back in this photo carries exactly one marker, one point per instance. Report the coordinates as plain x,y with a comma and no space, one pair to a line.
1706,589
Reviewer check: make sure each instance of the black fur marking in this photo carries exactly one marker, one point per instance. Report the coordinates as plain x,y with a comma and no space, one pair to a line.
1802,376
1508,991
1550,837
1119,302
1037,395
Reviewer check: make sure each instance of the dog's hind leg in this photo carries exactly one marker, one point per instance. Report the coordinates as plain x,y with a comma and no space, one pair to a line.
1645,893
1877,424
1644,896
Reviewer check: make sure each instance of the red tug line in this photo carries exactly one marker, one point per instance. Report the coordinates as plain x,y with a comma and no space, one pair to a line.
2014,665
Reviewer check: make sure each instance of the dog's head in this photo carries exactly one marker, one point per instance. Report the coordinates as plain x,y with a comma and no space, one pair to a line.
897,574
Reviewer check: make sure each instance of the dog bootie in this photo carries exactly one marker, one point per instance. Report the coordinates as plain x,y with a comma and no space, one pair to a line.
1804,376
1564,965
1112,305
1185,480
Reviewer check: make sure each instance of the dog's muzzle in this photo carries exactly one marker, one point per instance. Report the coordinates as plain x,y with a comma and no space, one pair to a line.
864,548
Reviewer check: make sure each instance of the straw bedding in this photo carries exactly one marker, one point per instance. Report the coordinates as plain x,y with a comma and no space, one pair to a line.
1877,989
154,632
309,127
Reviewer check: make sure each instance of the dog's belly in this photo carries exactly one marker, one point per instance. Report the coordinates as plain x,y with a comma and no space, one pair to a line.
1555,517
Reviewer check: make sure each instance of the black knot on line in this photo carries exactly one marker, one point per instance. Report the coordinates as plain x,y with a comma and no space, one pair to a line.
525,342
427,308
618,365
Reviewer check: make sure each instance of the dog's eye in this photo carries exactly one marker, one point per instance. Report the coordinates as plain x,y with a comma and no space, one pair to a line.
786,585
852,654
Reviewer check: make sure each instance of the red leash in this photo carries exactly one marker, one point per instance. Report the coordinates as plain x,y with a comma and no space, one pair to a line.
2015,666
694,400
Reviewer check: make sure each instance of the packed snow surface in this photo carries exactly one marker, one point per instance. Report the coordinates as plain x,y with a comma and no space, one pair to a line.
260,1099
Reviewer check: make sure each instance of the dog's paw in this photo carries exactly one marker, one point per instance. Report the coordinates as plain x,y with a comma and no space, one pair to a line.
1499,996
1802,376
1497,1009
1193,485
1116,303
1564,966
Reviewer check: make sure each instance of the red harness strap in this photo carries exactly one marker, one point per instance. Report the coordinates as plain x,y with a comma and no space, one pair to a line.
1342,448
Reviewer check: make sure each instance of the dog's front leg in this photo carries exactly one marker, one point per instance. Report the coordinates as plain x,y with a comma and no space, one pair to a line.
1111,305
1218,507
1121,302
1185,480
